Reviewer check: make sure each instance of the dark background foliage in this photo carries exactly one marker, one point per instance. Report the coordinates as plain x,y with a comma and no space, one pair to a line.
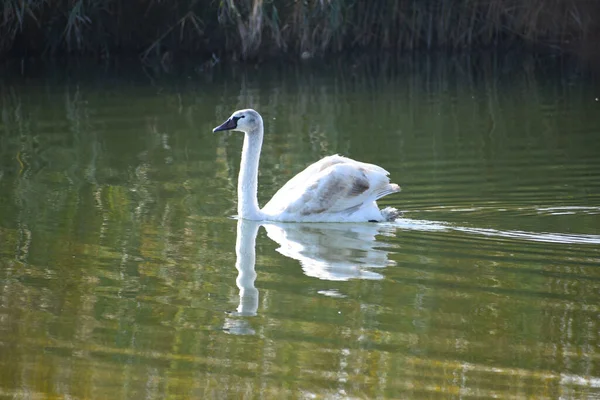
250,29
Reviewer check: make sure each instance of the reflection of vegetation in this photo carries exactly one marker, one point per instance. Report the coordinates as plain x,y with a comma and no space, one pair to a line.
117,264
247,28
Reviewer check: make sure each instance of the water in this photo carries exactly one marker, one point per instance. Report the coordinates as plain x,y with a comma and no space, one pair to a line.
124,275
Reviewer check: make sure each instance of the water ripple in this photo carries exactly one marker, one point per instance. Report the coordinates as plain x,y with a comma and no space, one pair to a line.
547,237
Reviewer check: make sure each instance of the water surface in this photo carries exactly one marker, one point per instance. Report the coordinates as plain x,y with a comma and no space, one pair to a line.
124,274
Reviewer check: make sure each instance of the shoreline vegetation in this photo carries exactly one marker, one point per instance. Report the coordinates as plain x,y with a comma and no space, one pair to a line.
161,31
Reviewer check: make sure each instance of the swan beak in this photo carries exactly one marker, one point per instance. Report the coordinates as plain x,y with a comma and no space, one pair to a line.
226,126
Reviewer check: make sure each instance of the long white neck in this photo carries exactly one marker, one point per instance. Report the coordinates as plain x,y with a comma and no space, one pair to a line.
248,177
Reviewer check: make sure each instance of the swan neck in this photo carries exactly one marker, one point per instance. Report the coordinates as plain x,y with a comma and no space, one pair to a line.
248,177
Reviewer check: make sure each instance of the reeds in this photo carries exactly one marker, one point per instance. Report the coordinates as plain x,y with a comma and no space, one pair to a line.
246,29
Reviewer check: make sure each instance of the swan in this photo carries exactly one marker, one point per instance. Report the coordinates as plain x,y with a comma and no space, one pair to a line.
334,189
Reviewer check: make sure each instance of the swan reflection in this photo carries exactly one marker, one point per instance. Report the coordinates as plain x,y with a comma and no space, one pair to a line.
245,262
328,251
334,252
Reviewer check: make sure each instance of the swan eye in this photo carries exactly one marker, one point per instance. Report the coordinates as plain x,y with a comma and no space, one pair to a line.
236,119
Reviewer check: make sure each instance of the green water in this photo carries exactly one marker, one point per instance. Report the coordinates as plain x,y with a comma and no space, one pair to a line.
119,275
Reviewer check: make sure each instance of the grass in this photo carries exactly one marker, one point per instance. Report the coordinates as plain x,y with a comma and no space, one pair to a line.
250,29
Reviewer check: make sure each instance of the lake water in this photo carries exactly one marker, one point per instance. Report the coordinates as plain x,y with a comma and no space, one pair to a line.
123,273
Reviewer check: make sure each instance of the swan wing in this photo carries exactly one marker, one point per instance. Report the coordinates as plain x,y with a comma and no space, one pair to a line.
334,184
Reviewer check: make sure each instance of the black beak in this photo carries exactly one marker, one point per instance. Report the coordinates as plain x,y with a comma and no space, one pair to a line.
228,125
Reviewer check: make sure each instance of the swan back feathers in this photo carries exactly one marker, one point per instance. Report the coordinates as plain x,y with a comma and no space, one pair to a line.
333,185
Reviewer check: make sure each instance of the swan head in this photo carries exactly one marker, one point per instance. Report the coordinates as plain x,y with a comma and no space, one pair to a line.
246,121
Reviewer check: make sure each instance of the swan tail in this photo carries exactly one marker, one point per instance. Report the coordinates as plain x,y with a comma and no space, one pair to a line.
390,214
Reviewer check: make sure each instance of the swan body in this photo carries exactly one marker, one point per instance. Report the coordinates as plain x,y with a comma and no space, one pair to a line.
334,189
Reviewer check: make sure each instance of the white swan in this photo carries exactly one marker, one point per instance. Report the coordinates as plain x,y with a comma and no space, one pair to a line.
334,189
